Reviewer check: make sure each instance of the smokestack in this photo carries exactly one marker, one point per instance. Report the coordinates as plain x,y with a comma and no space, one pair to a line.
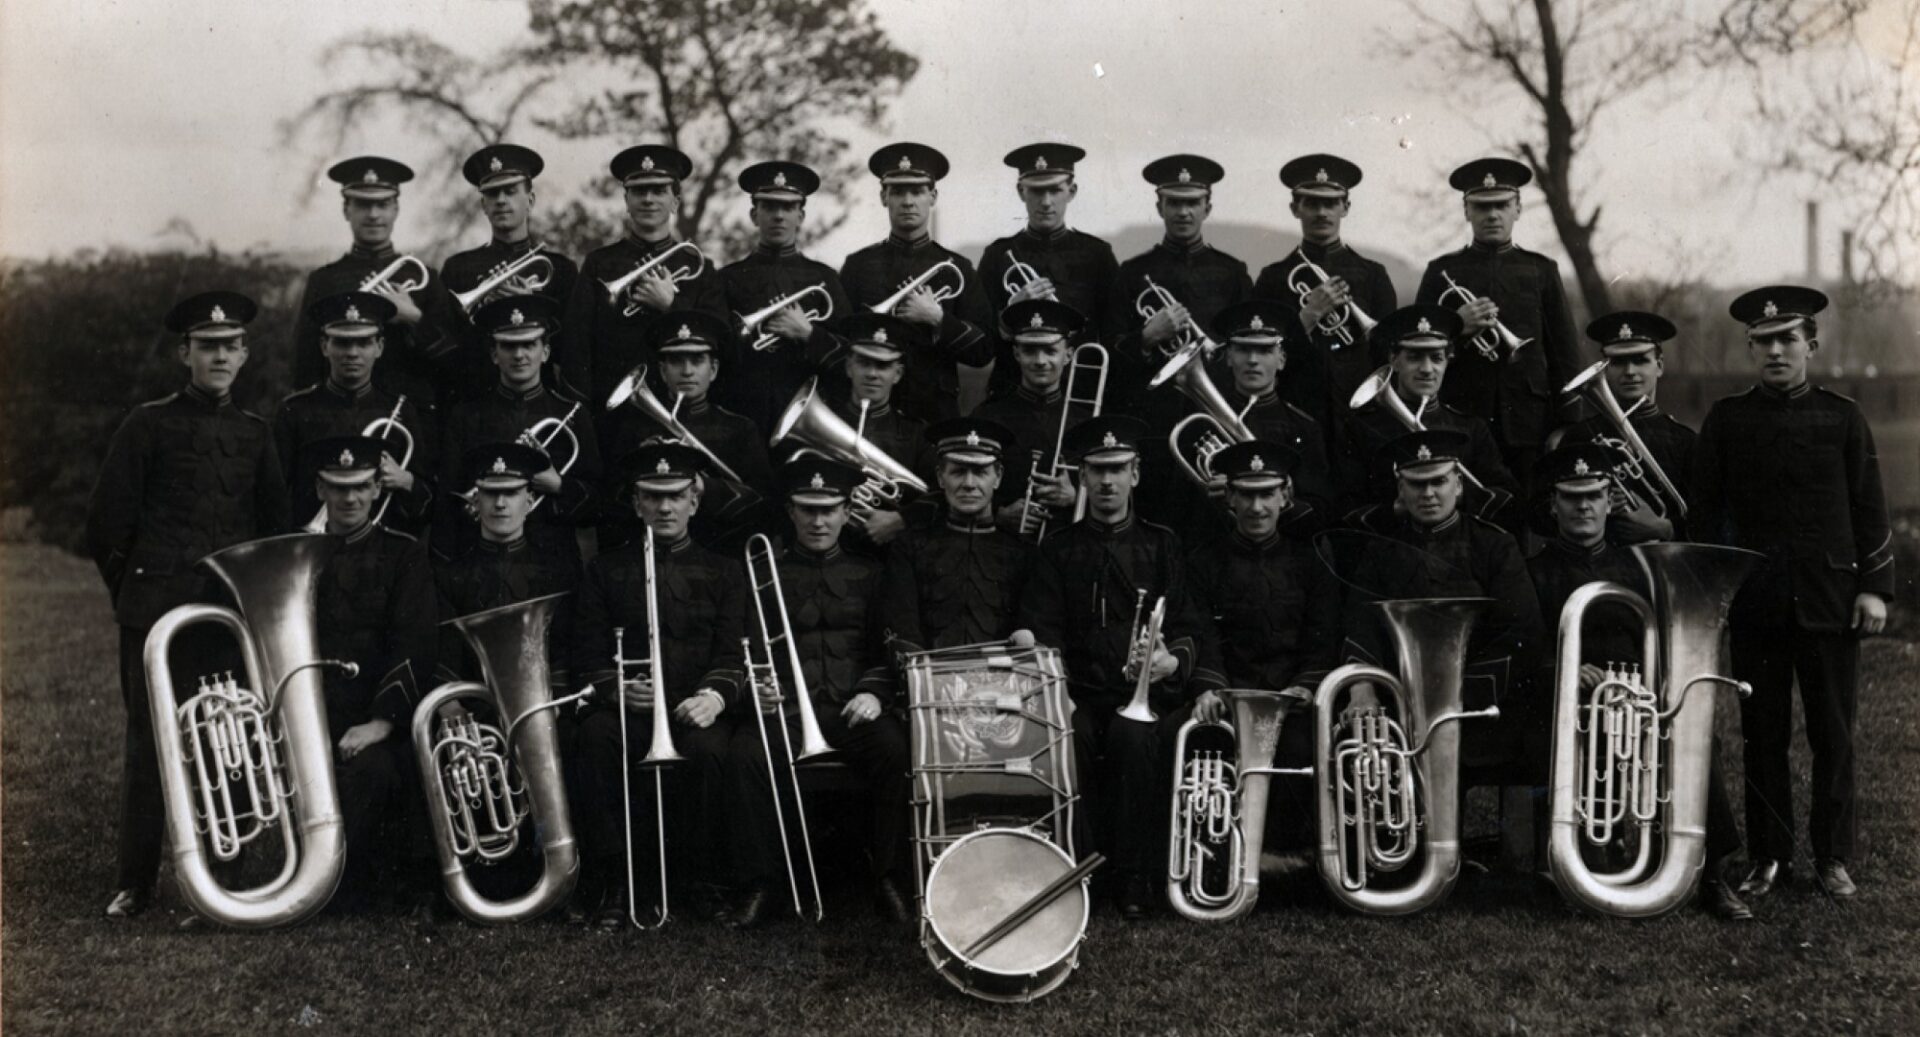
1813,242
1846,257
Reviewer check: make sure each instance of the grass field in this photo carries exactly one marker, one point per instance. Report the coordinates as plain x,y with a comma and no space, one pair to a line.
1491,960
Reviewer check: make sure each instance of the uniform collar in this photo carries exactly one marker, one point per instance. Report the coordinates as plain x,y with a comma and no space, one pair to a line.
981,525
1444,527
776,251
1573,550
675,546
1794,393
382,254
517,248
1319,252
695,408
649,248
504,547
1490,250
910,244
878,410
1171,247
345,393
801,553
207,399
359,533
517,395
1261,546
1649,409
1052,396
1048,237
1100,528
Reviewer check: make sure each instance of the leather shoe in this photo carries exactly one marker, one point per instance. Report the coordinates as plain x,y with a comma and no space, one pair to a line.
129,902
613,913
1136,897
890,902
1763,878
752,912
1717,898
1833,877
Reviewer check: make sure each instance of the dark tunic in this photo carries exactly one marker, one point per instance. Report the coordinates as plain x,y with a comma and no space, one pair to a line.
931,389
1081,267
416,358
501,416
759,383
1034,421
492,575
1200,277
1275,607
1369,479
950,584
726,516
1322,371
324,410
1670,443
829,598
471,364
1610,634
601,344
702,604
375,606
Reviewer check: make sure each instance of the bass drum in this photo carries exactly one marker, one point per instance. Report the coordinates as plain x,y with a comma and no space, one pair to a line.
979,881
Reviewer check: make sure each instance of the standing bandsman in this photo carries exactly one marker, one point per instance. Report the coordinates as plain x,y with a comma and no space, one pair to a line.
763,378
1789,470
958,329
1095,579
503,174
701,600
1071,266
1326,365
422,335
1260,350
345,402
877,350
185,475
829,597
1514,390
1633,345
1031,410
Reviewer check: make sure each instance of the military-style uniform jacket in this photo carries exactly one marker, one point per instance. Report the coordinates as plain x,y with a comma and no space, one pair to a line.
830,598
931,389
1083,594
1322,371
1081,267
1670,443
324,410
1516,398
376,606
1276,420
951,583
702,604
898,433
1275,607
759,384
471,363
1203,279
416,358
501,416
184,476
1369,481
491,575
1794,476
1034,420
1610,634
601,344
726,515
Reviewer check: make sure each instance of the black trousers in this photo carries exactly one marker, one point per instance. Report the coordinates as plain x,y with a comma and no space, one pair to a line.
1828,668
200,650
1124,771
371,786
695,788
877,749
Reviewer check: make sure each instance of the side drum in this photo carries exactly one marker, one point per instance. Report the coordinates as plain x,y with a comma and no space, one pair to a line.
978,882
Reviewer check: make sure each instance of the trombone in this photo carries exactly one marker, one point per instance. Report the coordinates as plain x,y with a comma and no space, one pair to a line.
519,271
941,292
648,669
763,678
1019,275
383,428
387,280
1034,516
1492,341
1190,340
1335,323
750,323
680,274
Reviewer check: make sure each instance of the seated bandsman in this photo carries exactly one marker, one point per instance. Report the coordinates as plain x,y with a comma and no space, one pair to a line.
1577,489
503,174
1094,581
1031,410
346,402
1276,610
1260,347
877,348
829,597
686,350
1419,344
375,606
521,328
701,600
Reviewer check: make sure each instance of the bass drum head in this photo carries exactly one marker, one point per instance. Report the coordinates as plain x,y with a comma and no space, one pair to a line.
979,881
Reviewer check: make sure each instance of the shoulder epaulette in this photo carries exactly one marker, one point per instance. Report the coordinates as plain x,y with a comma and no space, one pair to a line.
162,401
1835,395
390,531
297,393
245,413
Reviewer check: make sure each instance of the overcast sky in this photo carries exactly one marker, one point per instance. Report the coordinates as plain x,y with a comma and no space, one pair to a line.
120,116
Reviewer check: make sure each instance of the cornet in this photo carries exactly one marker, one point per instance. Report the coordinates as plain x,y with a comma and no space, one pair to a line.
381,428
1638,473
520,271
660,752
750,323
1191,340
941,292
384,281
677,274
1334,323
1492,342
1033,514
1139,664
1019,275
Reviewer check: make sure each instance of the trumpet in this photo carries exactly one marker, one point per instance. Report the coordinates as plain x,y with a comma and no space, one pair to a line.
633,389
811,424
1216,426
1335,323
385,280
941,292
1493,341
661,751
518,271
1189,342
1638,473
1139,665
1019,275
681,274
383,428
763,677
1033,514
1379,386
750,323
541,434
1219,817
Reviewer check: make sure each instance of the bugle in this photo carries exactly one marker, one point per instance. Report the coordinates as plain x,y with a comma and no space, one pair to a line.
941,292
1089,357
387,279
382,429
1639,474
1334,323
1492,342
648,670
520,271
750,322
1219,814
679,272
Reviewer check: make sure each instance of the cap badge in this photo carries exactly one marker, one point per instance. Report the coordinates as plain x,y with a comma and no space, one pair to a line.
1258,464
1257,324
1423,453
1109,441
1489,181
1626,331
370,177
1039,163
517,318
646,163
1770,310
493,164
1186,177
218,315
906,164
685,331
1036,322
1424,327
499,465
1320,176
880,336
346,459
352,314
973,438
818,481
1580,466
779,179
663,467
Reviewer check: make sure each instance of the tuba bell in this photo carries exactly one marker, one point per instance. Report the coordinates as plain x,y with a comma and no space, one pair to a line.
811,424
238,761
1386,799
1219,819
1631,757
1197,437
482,782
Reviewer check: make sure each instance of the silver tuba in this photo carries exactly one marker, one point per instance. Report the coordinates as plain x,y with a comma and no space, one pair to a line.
1389,778
1197,437
1219,819
240,760
1631,757
1638,474
481,782
809,423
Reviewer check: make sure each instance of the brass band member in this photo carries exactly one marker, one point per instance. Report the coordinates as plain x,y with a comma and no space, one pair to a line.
829,596
1261,345
1069,266
1095,580
420,337
1043,331
503,174
1511,388
1789,470
1576,485
956,329
345,402
763,378
1327,366
702,606
876,361
184,476
1634,347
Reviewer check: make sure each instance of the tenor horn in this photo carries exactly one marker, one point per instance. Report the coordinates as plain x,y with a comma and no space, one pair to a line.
387,280
633,390
1379,386
1199,436
1388,778
238,761
1335,323
1638,473
1191,340
1219,817
519,270
484,783
1019,275
811,424
1631,757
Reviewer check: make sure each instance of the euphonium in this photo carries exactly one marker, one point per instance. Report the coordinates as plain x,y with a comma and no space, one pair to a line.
1493,341
633,390
1216,426
237,761
481,782
1385,798
386,279
1334,323
1219,817
808,422
379,428
941,292
1019,275
1639,474
686,271
750,322
519,270
1631,756
1379,386
1033,514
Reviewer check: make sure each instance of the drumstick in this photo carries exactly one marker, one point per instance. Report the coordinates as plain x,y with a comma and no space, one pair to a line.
1034,905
